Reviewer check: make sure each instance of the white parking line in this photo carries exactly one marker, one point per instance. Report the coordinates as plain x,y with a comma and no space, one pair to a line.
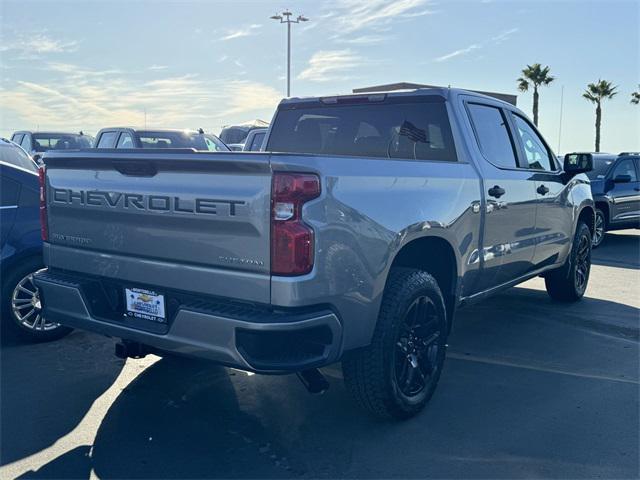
504,363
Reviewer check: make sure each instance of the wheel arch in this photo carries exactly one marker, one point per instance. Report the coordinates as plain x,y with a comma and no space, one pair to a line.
436,255
588,215
605,207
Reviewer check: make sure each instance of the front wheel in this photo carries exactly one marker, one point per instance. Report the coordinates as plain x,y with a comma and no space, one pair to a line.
396,375
599,228
569,282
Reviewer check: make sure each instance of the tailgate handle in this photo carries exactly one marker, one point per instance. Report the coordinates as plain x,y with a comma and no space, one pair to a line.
142,168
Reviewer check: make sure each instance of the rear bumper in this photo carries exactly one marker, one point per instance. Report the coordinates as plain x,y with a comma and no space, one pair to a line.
242,336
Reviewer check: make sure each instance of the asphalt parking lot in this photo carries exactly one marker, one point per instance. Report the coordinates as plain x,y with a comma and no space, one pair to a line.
531,388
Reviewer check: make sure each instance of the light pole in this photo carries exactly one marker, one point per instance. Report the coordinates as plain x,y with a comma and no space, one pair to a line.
286,18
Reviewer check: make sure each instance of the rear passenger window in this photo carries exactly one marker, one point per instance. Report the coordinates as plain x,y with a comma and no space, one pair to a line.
125,141
16,156
108,140
17,138
535,151
493,135
26,143
417,130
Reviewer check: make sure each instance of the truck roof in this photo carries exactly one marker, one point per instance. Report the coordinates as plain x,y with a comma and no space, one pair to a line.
444,92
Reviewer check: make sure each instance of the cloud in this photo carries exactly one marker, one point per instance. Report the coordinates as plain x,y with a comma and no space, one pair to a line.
158,67
501,37
365,40
496,40
355,15
328,65
241,32
457,53
246,96
70,97
36,44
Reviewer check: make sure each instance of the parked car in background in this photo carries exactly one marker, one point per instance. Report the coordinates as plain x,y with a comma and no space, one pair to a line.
36,143
21,246
255,140
615,184
126,137
370,220
234,136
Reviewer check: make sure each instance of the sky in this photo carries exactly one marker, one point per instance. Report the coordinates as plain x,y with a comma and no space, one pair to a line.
84,65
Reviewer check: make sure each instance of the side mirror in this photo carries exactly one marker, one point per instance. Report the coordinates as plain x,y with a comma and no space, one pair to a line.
622,179
575,163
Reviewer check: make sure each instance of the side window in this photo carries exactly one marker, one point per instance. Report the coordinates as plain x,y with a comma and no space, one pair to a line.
15,156
26,143
258,138
107,140
493,135
625,167
17,138
125,141
535,151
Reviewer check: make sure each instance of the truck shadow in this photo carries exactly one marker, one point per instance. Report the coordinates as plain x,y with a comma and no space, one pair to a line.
185,418
46,389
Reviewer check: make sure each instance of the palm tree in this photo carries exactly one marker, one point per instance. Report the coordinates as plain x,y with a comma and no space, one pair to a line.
596,93
635,96
534,75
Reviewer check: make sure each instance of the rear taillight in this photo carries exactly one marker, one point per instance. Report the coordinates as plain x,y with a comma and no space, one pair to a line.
291,238
44,229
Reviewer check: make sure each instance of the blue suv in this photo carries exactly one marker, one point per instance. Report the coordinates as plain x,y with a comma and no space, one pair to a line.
21,246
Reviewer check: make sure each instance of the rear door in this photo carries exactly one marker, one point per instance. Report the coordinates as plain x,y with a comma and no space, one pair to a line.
510,208
625,192
198,222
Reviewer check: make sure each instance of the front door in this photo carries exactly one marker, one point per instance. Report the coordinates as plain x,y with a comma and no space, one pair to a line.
554,217
625,193
510,208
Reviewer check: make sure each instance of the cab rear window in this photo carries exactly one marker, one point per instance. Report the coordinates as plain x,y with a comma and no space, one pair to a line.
417,130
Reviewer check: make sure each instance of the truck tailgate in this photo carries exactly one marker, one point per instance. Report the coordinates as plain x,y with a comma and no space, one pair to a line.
198,222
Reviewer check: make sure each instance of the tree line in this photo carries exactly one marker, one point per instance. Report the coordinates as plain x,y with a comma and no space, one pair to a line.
535,76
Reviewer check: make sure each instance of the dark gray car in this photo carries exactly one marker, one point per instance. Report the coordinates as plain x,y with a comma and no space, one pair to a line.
355,237
615,184
127,137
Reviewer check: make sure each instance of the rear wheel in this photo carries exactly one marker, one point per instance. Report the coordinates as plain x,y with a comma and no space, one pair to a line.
569,282
22,308
599,228
396,375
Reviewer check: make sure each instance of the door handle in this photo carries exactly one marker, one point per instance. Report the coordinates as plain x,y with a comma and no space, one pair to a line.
542,190
637,189
496,191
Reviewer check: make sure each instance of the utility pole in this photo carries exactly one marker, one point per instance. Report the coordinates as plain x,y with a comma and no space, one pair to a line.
285,17
560,125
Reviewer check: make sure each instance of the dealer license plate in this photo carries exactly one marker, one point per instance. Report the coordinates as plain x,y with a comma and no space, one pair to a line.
145,304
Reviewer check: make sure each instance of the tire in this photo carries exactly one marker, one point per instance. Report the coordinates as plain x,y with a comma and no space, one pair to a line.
21,311
396,375
600,228
569,282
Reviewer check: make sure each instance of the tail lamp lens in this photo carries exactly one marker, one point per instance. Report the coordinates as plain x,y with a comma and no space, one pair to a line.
291,239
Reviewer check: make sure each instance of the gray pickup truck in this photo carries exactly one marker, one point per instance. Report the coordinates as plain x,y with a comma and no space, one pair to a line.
355,237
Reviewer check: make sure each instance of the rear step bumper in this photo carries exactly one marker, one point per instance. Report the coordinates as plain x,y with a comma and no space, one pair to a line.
244,337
